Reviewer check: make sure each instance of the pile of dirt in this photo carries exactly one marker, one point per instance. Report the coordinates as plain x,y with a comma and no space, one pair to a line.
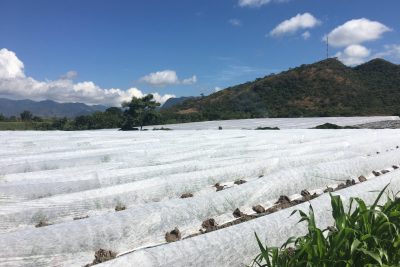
362,179
219,187
120,207
102,255
186,195
259,209
209,224
239,182
173,236
42,224
237,213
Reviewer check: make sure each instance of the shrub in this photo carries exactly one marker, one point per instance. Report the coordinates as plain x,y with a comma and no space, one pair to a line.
267,128
333,126
362,236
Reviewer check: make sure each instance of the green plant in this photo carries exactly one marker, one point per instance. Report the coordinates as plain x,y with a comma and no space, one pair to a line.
139,112
362,236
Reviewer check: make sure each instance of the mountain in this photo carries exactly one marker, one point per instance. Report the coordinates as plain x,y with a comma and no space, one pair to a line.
46,108
325,88
175,101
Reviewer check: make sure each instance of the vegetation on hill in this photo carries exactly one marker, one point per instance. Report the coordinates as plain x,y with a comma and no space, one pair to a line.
325,88
361,236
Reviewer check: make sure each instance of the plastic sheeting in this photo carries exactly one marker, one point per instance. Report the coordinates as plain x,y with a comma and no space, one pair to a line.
55,176
236,245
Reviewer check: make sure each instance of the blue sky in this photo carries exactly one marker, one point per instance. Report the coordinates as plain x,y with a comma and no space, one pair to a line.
204,45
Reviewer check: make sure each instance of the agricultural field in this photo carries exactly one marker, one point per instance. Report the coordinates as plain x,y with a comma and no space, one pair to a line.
193,196
282,123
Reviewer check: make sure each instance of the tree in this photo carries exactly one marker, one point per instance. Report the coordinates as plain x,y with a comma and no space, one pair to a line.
59,123
139,112
26,115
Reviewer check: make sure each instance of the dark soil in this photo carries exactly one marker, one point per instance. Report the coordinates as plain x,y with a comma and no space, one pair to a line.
259,209
237,213
42,224
376,173
209,224
219,187
362,179
120,207
102,255
187,195
283,200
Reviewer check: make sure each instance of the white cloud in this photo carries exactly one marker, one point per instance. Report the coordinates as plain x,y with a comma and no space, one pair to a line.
253,3
15,85
390,51
306,35
162,98
72,74
161,78
354,55
300,21
235,22
190,80
166,77
217,89
10,65
258,3
356,31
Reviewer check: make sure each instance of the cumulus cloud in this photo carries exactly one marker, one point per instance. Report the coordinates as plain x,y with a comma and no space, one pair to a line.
306,35
235,22
166,77
10,66
356,31
391,51
354,55
16,85
217,89
292,25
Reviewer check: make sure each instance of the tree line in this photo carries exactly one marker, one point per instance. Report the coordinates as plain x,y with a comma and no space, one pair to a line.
133,115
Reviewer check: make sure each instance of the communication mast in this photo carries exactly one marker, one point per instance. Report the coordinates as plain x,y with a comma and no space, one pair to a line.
327,46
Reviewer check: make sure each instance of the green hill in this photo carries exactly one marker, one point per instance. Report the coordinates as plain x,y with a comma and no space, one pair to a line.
325,88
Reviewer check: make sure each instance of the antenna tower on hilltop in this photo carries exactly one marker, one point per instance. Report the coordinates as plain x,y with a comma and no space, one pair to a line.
327,46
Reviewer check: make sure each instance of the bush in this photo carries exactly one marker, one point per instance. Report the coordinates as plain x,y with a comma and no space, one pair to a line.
267,128
333,126
362,236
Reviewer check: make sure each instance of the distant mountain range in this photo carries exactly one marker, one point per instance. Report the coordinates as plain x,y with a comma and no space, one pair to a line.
325,88
46,108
